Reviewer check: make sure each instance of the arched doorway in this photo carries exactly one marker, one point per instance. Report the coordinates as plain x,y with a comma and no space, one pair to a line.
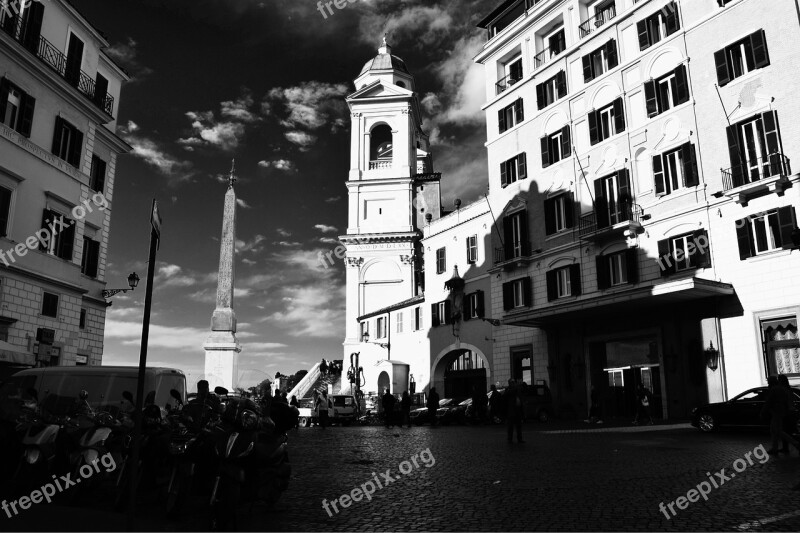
384,383
457,370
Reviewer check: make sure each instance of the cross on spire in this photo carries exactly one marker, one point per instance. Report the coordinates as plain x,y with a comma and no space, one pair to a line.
232,177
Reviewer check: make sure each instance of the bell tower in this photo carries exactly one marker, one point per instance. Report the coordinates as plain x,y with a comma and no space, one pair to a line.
391,188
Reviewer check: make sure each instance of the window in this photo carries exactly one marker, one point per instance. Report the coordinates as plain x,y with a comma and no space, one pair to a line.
472,249
675,169
556,146
31,25
619,268
82,320
741,57
364,328
766,232
441,262
380,328
551,90
684,252
59,235
512,73
613,199
556,42
67,142
558,213
754,146
16,108
50,305
522,364
418,318
515,239
606,121
781,345
474,306
98,174
517,294
398,318
563,282
666,92
440,313
5,210
511,115
72,68
91,257
658,26
600,61
513,170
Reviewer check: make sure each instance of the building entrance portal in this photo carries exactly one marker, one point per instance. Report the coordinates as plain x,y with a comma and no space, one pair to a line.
464,371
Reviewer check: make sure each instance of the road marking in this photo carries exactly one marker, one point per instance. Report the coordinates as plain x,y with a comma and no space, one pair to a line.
764,521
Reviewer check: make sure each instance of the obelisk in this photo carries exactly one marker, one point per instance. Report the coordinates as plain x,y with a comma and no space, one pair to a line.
222,348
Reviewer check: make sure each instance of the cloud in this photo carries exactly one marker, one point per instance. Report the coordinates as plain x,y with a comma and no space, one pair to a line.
282,232
244,205
126,54
312,311
279,164
308,107
187,339
239,109
302,139
170,275
326,229
254,245
225,133
288,244
153,154
332,199
328,240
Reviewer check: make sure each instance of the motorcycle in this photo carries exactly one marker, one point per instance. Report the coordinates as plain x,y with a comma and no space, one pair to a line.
39,435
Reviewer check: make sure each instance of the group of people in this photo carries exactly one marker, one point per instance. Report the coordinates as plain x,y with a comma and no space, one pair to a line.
388,402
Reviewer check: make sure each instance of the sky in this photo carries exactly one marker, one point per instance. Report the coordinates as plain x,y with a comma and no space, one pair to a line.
264,82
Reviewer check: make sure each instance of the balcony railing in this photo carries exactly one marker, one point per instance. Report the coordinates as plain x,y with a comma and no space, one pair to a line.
511,252
617,214
598,20
56,60
753,171
381,163
507,82
543,57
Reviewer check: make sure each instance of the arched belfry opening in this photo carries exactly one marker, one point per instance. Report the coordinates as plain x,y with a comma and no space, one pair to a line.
381,145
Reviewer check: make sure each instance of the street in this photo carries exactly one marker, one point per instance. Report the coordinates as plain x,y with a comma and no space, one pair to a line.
564,477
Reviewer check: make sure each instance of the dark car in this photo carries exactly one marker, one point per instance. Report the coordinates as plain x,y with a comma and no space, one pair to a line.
743,410
537,402
420,416
454,413
444,414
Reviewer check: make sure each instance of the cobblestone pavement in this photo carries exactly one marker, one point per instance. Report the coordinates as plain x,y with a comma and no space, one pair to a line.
612,479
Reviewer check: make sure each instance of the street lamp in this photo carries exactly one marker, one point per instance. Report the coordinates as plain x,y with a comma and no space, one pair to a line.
712,357
365,339
133,282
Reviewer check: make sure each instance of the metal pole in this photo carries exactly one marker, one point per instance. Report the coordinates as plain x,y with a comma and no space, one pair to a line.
137,432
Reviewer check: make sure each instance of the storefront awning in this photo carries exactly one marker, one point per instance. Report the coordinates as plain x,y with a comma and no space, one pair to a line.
622,302
12,354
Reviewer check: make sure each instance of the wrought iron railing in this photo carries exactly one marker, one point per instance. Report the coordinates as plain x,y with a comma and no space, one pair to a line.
507,82
617,213
598,20
512,251
57,61
775,164
543,57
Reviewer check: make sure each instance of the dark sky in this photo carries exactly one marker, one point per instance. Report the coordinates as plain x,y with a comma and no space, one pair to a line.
264,82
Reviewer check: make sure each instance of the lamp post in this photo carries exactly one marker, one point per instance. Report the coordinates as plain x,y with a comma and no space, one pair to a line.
133,282
712,357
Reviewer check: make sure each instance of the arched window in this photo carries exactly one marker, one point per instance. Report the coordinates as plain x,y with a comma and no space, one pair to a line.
401,84
381,143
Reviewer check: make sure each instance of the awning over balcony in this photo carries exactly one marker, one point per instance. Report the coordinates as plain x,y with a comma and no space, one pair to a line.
623,303
16,355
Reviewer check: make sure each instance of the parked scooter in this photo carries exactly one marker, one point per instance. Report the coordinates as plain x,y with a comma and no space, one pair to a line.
39,432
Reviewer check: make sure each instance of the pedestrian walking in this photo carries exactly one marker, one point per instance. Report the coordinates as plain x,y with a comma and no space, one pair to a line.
790,419
513,411
405,409
776,408
324,406
323,367
388,402
294,401
496,405
433,405
595,410
644,399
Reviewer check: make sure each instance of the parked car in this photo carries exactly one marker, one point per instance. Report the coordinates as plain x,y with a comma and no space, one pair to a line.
344,409
306,408
446,412
420,416
457,414
743,410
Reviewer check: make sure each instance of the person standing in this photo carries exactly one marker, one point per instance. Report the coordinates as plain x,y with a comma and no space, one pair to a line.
495,405
595,410
513,411
388,402
324,405
643,400
433,405
776,407
405,409
323,367
294,402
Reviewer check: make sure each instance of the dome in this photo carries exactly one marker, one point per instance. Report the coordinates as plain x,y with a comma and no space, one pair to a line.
385,61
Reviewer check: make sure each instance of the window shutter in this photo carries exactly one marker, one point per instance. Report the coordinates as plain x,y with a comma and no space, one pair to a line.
665,260
508,238
723,74
787,225
593,133
758,41
771,132
600,205
672,22
575,279
504,174
658,174
540,100
632,265
552,285
26,119
100,90
561,81
448,315
501,120
57,133
744,238
47,219
681,85
519,111
469,261
550,216
588,75
569,210
32,26
435,321
603,278
468,299
76,149
522,166
5,208
545,143
644,36
5,87
566,142
479,304
690,174
527,291
619,116
508,296
523,230
67,238
92,254
650,98
611,54
625,195
701,257
99,175
734,150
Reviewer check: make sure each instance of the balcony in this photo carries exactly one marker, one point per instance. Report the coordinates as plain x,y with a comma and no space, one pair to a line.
623,220
597,21
512,255
543,57
380,164
57,61
756,178
507,82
